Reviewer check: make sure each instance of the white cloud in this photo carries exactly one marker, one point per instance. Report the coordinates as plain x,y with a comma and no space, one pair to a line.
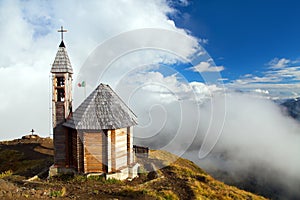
13,26
29,41
257,139
279,63
257,79
261,91
276,90
24,101
170,122
248,75
184,2
165,88
223,79
250,123
204,92
204,41
206,67
283,75
291,73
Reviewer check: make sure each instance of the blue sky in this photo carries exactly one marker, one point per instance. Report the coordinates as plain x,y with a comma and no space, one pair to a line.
244,36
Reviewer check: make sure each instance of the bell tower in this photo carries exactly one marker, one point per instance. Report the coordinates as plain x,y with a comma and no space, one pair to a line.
61,101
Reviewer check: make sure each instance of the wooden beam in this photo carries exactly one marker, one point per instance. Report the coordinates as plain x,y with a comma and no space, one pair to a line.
113,151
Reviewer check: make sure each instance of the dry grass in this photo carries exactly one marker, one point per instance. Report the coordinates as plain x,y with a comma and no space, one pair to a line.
185,180
176,178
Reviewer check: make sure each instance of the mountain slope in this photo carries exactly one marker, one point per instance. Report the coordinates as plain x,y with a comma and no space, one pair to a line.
292,107
173,178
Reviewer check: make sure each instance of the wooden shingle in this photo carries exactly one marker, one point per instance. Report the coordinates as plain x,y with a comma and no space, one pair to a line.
102,109
62,62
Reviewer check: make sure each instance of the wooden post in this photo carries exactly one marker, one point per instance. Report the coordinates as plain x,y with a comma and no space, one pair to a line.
128,147
113,151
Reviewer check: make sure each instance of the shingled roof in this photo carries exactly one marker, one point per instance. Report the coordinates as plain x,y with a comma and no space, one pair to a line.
102,109
62,62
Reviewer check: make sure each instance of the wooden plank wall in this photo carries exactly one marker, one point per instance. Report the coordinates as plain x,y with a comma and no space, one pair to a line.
130,157
121,148
95,154
109,152
74,153
59,110
59,140
67,87
80,152
113,150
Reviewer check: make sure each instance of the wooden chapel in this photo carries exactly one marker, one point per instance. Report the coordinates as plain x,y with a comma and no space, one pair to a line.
98,136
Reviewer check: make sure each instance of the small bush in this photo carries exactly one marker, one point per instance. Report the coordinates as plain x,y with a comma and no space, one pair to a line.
79,178
55,193
6,173
96,178
169,195
96,192
58,193
112,181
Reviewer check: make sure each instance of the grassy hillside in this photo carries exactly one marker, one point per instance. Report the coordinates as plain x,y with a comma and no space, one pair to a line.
174,178
26,157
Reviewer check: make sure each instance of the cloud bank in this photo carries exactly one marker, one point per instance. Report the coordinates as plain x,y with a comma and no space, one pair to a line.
257,139
29,43
280,77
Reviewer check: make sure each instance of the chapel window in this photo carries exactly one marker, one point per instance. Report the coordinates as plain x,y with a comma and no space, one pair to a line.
60,81
60,95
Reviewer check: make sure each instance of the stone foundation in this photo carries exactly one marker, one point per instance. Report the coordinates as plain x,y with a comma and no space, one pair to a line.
126,173
56,171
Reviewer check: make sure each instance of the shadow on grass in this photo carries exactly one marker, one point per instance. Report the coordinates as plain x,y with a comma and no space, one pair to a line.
25,159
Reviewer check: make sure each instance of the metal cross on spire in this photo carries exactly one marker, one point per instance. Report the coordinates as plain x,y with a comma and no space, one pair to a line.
62,32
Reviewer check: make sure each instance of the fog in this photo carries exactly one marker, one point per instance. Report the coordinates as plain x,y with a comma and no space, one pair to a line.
257,140
256,143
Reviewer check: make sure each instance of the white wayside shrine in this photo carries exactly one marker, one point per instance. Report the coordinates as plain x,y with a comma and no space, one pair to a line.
97,138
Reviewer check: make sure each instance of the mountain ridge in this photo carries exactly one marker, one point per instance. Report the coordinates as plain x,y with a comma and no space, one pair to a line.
292,107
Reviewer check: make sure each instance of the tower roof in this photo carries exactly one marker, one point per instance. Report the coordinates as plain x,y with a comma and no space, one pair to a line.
102,109
62,62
